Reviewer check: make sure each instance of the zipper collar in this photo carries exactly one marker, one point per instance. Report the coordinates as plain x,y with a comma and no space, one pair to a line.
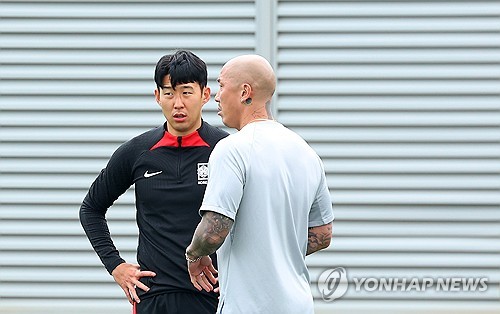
191,140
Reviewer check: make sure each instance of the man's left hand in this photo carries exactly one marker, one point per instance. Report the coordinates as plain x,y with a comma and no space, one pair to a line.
202,274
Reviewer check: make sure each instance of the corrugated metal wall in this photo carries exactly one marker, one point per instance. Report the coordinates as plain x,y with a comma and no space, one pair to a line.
401,99
77,81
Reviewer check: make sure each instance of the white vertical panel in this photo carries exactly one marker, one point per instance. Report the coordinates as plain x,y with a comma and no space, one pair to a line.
402,101
76,80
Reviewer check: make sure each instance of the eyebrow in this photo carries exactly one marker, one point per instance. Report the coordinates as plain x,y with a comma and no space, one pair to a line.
181,86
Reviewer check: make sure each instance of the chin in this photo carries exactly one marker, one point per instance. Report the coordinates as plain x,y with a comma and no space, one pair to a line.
224,121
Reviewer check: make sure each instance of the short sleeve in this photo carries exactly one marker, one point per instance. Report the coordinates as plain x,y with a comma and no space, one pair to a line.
226,180
321,211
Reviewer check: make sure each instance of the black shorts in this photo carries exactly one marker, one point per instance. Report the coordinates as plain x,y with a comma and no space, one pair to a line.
178,303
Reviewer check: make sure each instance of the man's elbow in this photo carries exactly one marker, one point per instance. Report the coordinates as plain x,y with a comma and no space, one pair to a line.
319,238
327,242
330,235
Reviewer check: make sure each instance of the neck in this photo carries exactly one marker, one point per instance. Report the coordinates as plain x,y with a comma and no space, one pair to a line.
259,119
182,132
253,115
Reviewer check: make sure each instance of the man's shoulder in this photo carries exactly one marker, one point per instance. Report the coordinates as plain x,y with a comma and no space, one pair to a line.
212,134
151,134
143,141
236,144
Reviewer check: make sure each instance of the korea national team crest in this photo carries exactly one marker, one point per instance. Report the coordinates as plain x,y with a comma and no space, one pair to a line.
202,173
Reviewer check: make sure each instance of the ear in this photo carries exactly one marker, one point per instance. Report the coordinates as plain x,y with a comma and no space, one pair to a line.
157,96
206,94
246,92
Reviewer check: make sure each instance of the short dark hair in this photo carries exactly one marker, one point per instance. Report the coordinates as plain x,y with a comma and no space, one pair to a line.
183,67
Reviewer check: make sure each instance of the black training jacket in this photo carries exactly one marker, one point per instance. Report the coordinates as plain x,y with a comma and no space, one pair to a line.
170,175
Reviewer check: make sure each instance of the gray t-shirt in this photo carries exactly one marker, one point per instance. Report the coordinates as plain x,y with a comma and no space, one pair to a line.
272,184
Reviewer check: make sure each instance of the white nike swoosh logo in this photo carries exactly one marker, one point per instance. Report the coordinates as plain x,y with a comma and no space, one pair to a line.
148,175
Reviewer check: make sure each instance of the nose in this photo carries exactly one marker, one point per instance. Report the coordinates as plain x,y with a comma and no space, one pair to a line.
178,103
217,98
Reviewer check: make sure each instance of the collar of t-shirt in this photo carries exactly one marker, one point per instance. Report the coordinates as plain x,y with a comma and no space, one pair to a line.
191,140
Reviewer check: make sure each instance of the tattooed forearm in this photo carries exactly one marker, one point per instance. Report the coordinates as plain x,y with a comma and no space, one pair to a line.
209,235
319,238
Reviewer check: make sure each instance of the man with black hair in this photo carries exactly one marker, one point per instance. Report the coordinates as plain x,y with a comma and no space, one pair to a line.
168,165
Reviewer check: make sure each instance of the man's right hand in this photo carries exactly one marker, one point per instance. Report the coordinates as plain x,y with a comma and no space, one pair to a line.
127,276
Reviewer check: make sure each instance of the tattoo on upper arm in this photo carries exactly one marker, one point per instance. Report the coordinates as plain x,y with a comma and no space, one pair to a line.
318,238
